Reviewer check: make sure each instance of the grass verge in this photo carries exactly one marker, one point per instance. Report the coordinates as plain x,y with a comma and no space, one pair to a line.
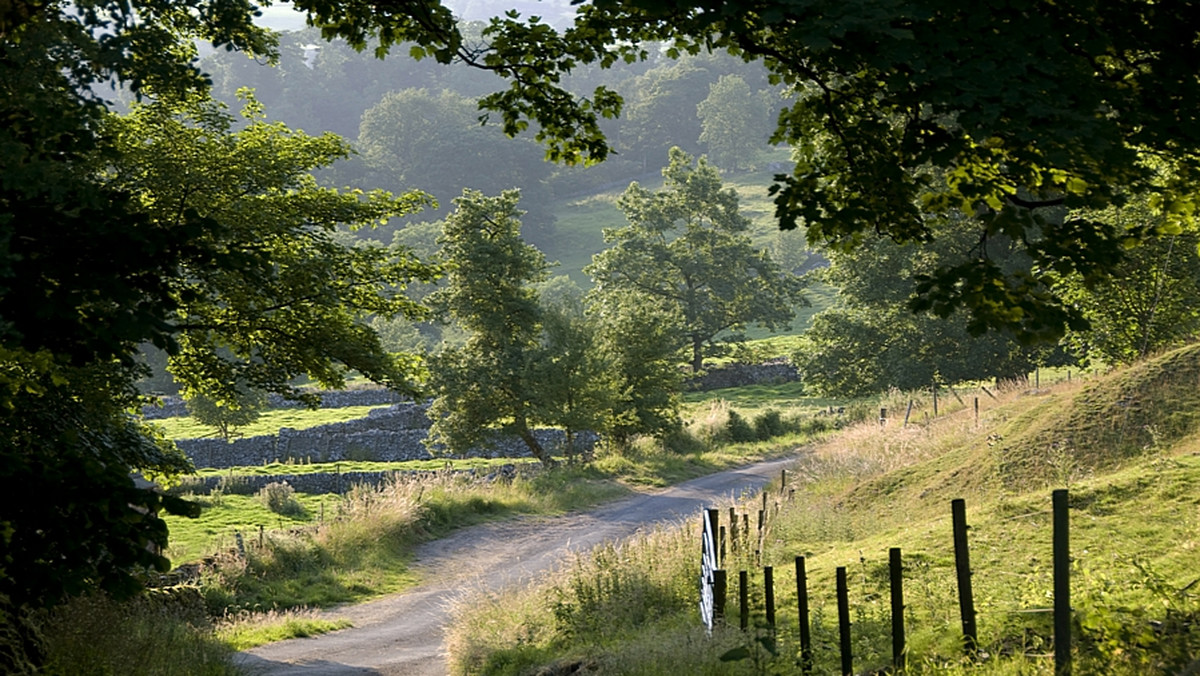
1135,532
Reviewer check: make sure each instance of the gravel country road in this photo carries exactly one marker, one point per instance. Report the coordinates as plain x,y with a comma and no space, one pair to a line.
401,635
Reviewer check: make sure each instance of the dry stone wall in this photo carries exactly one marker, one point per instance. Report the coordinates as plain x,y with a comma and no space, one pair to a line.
740,375
392,434
318,483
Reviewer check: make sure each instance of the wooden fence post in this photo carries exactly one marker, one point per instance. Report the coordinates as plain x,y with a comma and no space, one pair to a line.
744,599
977,411
720,589
769,595
935,406
721,559
802,603
882,416
843,601
733,531
1062,584
895,570
962,564
908,412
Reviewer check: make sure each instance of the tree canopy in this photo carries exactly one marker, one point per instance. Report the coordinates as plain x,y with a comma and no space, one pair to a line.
687,248
869,341
1019,107
491,381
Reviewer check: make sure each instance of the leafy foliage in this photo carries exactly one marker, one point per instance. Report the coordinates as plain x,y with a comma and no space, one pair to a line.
870,342
686,247
1019,110
293,299
735,122
415,138
492,378
226,416
1152,300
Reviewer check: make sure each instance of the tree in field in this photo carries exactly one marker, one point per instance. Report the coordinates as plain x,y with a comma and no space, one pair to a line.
492,381
638,341
225,415
577,384
1021,112
736,122
869,341
1151,302
686,247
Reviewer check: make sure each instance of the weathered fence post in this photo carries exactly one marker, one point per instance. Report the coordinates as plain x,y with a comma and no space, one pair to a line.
721,560
733,531
744,599
882,416
962,564
802,606
977,411
843,601
782,481
908,412
895,570
1062,584
935,406
769,595
720,589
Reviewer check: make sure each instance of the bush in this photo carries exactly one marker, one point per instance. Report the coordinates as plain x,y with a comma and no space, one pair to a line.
768,425
280,497
737,429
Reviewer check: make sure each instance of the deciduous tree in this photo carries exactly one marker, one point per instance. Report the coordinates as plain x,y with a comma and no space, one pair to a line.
735,122
299,299
1152,300
490,382
687,248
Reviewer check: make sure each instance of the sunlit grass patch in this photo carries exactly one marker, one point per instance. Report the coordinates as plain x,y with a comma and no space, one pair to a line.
246,630
270,422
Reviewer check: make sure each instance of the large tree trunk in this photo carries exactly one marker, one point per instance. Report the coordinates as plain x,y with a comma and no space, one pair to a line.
697,354
531,441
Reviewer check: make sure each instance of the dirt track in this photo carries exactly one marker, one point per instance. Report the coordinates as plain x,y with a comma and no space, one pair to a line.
402,635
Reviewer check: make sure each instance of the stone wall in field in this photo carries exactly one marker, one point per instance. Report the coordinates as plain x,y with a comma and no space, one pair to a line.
318,483
739,375
391,434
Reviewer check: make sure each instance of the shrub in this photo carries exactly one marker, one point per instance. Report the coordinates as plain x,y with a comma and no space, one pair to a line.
737,429
769,424
280,497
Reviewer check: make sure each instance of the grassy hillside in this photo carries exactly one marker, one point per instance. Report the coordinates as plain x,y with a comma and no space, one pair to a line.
1126,445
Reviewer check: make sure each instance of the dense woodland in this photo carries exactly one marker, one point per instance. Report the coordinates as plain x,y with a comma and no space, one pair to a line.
294,209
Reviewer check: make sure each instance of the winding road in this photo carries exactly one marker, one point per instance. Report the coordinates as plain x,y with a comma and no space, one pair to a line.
401,635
